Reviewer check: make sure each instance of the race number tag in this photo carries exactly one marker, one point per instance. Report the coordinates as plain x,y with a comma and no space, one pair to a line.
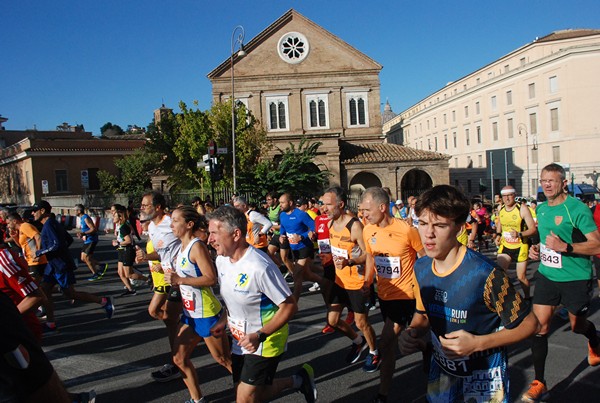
324,246
457,367
339,253
388,266
188,299
550,258
237,327
166,266
509,238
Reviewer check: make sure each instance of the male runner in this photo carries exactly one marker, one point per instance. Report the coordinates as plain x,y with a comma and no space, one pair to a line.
259,307
166,247
89,235
568,237
467,305
298,229
258,224
352,283
277,250
512,235
392,246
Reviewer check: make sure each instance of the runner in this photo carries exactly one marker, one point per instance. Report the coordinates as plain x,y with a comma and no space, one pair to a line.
259,305
298,229
515,225
166,247
352,284
467,305
277,250
89,235
568,237
392,246
195,275
60,269
125,246
258,224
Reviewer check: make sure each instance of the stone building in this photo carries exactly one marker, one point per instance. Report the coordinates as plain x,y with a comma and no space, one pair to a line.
300,80
505,121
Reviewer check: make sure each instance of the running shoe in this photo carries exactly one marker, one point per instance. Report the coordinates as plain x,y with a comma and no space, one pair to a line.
167,373
40,312
128,292
94,277
315,287
349,318
537,391
328,329
109,307
47,329
356,351
103,271
593,355
308,387
137,283
372,362
86,397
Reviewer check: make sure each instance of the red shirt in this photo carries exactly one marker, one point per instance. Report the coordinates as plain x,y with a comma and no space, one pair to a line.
322,230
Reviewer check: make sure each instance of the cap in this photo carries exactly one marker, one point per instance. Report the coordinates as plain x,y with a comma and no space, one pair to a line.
42,204
300,201
399,201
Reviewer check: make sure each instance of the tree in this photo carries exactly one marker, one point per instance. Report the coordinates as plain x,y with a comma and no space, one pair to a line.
135,174
108,129
294,171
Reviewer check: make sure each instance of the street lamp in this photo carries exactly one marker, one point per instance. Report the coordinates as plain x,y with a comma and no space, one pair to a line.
522,128
241,53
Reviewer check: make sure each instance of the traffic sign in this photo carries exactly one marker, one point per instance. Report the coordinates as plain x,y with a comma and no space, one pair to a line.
45,188
222,150
85,179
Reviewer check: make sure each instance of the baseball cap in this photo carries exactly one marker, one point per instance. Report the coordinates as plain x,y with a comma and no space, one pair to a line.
399,202
300,201
42,204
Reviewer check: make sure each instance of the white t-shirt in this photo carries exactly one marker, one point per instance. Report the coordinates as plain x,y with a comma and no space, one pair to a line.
165,243
253,288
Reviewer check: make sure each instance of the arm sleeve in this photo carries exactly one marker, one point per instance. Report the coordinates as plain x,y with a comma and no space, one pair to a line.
501,297
50,241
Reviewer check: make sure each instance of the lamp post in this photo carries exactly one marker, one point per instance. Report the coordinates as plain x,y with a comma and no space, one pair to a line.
241,53
522,128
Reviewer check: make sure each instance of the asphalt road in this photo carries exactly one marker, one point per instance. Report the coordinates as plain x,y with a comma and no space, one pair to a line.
115,357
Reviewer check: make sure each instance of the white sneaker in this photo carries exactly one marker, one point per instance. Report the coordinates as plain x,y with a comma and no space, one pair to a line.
315,287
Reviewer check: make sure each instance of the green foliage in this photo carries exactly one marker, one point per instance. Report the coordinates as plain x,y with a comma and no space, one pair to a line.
293,171
135,173
111,130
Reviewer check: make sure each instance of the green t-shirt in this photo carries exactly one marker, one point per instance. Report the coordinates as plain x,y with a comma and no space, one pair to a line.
273,216
561,220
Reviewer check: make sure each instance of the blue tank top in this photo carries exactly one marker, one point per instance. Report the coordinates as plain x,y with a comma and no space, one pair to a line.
89,238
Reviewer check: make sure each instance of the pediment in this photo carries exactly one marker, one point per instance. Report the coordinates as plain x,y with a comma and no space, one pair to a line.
327,53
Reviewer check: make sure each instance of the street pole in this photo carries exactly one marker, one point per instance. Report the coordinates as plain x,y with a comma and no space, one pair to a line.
522,128
239,40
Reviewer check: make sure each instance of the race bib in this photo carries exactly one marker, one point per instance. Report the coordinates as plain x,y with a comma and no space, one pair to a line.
339,252
324,245
510,239
237,327
550,258
166,266
388,266
188,298
294,239
456,367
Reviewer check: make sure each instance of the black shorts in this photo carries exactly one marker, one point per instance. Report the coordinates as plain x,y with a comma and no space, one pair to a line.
304,253
354,300
573,295
329,272
174,295
89,248
37,269
399,311
126,255
254,369
275,242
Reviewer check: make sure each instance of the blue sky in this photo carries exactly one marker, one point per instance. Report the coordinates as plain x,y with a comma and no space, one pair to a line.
90,62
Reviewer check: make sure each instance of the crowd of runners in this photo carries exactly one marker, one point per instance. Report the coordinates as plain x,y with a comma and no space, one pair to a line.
418,263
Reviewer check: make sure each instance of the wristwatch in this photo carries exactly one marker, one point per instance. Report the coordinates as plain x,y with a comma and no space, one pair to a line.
261,336
569,248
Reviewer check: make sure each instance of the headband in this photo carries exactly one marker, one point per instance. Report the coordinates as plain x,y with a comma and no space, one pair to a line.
505,192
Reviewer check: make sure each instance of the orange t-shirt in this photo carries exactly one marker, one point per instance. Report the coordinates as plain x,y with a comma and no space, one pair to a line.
27,232
394,249
348,277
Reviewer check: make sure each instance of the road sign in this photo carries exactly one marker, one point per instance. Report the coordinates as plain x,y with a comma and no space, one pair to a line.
45,188
85,179
222,150
212,148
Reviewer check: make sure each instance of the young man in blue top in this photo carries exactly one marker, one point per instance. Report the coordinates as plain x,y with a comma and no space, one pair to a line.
467,305
89,235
